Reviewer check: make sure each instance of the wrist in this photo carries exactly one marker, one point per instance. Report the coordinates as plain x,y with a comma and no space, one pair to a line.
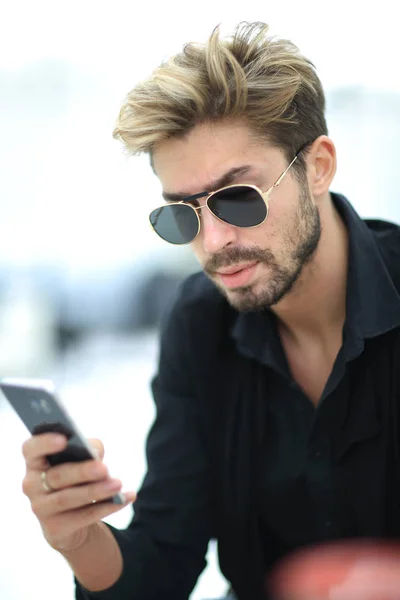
83,539
97,562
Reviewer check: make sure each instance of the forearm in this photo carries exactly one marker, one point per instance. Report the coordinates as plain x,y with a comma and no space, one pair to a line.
98,564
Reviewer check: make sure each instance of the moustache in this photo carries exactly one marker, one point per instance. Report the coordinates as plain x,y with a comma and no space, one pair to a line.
237,255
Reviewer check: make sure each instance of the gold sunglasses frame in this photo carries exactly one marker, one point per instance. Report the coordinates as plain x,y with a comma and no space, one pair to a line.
264,195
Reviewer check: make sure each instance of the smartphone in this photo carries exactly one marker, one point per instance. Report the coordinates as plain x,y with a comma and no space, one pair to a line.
37,404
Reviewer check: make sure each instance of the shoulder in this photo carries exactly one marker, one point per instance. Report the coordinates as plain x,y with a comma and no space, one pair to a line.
194,329
387,239
197,290
200,312
385,232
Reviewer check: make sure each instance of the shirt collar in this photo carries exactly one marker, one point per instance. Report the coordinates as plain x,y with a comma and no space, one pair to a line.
372,302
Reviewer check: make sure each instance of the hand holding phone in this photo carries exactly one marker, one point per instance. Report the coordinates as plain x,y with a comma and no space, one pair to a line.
82,492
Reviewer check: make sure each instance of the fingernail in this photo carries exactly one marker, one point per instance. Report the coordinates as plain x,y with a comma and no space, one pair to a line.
129,497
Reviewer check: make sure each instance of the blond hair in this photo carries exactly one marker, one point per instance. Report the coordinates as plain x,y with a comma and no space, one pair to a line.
248,76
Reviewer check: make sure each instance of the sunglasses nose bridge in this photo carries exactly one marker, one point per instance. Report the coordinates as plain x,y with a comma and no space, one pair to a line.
206,211
204,200
199,209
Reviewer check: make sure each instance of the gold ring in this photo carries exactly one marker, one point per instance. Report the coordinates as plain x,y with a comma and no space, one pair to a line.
45,485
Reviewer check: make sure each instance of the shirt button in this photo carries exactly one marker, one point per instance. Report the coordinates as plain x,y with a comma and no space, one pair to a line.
328,523
318,454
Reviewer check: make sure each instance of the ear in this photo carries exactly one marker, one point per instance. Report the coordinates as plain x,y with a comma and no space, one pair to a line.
321,165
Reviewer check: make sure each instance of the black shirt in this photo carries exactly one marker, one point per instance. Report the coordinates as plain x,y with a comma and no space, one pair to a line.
297,498
237,451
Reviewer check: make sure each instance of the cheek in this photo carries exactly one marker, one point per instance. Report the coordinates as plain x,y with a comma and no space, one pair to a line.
281,219
263,236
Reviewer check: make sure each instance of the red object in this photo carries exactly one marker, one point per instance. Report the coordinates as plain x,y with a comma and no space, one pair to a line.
346,570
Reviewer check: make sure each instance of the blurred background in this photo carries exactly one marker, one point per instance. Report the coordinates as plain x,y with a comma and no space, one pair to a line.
83,280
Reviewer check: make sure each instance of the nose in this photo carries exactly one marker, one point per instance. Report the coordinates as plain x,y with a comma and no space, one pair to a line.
215,234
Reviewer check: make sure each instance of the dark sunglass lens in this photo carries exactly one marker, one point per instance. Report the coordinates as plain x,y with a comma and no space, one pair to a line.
240,205
175,223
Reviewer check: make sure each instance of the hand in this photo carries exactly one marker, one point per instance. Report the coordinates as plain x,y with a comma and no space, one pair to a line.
68,514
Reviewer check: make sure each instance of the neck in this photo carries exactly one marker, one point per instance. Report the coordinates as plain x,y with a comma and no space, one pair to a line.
316,306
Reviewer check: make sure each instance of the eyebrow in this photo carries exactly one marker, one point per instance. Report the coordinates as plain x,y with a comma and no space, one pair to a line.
223,181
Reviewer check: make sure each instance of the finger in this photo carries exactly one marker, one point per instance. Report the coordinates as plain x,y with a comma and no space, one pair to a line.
97,446
37,447
67,523
69,499
63,476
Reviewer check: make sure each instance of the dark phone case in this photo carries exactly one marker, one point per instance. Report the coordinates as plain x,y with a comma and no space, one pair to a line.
41,413
74,452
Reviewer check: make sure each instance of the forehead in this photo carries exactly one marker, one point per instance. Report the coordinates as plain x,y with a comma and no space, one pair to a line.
208,151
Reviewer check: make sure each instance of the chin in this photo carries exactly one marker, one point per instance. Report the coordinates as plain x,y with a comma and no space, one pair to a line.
247,299
257,297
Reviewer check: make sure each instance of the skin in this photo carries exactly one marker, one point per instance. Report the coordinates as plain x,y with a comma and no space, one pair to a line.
285,278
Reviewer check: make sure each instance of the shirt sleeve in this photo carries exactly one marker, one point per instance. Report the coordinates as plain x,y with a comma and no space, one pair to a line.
164,546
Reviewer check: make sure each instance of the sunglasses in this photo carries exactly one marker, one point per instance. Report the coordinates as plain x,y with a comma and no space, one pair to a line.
239,205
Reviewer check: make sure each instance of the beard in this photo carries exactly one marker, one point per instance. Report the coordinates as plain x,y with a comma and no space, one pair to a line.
299,243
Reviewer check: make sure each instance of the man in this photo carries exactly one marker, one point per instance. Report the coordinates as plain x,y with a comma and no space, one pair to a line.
278,385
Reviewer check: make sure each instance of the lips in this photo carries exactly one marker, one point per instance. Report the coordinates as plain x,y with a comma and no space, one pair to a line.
235,277
235,269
